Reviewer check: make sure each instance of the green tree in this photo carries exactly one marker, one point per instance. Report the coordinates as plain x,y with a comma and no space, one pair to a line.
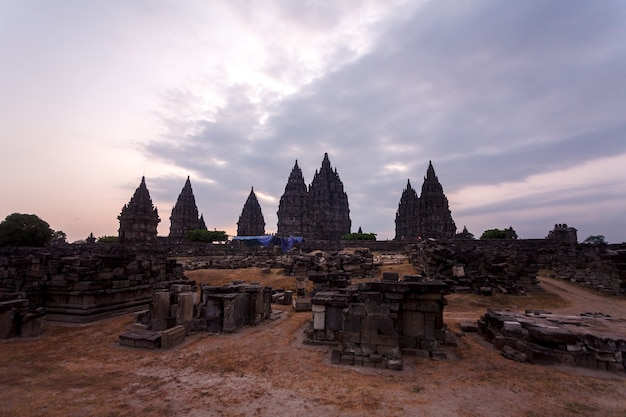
206,236
24,230
595,240
107,239
494,234
359,236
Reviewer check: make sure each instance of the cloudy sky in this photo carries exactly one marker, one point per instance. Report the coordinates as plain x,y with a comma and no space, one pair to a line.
520,106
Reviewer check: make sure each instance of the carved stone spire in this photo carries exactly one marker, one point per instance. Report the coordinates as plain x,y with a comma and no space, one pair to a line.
293,209
139,218
185,214
434,213
407,216
251,222
329,209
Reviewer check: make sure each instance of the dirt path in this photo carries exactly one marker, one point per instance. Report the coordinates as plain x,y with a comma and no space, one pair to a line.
583,300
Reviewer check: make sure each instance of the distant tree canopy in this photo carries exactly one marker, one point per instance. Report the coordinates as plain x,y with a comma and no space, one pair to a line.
359,236
24,230
595,240
107,239
206,236
499,234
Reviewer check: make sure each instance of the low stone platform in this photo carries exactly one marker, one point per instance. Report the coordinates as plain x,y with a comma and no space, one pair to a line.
591,340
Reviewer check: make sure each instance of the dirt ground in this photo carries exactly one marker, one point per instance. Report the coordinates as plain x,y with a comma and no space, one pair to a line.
266,371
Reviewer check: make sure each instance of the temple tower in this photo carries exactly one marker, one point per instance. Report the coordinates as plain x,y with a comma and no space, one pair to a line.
407,216
293,209
185,214
251,222
435,219
328,204
139,218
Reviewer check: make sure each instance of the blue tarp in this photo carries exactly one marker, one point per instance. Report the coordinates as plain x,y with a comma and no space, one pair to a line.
285,243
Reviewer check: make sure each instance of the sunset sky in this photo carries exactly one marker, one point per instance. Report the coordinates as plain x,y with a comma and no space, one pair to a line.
520,105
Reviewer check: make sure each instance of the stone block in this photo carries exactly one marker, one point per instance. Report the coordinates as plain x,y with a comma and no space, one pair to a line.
387,326
334,318
347,359
412,323
172,337
302,304
319,319
352,323
335,356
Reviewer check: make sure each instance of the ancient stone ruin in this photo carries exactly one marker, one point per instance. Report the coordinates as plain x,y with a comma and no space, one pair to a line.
426,216
185,215
563,233
139,218
375,323
174,313
251,222
322,212
81,284
588,340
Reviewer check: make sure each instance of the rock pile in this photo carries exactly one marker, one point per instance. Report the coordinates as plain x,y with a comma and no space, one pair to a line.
540,337
479,267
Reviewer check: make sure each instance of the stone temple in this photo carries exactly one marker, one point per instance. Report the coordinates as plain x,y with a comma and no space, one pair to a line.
426,216
322,212
139,218
185,215
251,222
293,209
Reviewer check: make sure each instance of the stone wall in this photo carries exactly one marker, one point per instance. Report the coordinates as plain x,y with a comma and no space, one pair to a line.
511,266
85,283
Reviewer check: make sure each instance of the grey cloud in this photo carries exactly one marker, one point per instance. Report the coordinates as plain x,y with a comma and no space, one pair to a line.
491,92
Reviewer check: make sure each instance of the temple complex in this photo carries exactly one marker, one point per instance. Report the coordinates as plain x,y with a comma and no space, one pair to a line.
185,214
293,209
251,222
322,212
139,218
328,203
427,216
406,224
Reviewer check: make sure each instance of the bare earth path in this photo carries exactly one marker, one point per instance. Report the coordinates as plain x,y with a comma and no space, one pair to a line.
583,300
266,371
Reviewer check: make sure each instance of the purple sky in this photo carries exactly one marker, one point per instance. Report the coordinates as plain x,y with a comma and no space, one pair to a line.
520,105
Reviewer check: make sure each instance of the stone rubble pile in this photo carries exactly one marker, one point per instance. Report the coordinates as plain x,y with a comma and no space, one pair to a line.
544,338
478,267
595,266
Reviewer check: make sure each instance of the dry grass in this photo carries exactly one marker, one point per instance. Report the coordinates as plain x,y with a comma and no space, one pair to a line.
265,370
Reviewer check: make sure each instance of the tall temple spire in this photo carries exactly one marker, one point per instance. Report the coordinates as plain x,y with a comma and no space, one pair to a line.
185,214
427,215
407,216
139,218
328,203
293,209
251,222
434,212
